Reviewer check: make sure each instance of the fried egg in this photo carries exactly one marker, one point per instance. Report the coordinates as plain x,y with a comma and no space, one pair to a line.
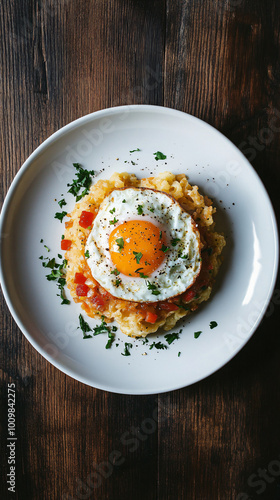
143,246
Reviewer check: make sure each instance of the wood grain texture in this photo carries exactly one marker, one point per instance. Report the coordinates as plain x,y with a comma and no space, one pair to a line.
218,60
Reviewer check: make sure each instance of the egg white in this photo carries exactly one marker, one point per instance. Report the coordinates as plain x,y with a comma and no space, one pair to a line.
182,262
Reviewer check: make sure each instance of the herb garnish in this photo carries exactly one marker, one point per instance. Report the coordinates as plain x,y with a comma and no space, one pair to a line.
152,287
83,181
57,274
102,328
62,203
196,334
159,156
60,215
114,221
213,324
127,346
174,241
112,211
97,330
117,282
158,345
170,337
111,338
164,248
140,209
84,327
142,275
180,254
86,254
115,272
138,256
134,150
120,243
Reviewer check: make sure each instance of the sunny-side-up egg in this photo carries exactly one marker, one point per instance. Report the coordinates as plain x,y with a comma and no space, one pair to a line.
143,246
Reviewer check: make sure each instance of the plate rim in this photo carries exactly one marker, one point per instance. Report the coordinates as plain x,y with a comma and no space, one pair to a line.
28,164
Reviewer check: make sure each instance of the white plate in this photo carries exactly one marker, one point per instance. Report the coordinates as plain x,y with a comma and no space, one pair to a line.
102,141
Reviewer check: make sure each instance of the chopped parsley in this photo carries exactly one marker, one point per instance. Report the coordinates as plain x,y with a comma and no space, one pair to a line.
179,354
140,209
111,338
213,324
83,181
152,209
180,254
117,282
138,256
84,327
152,287
102,328
159,156
164,248
86,254
134,150
127,346
47,248
197,334
62,203
158,345
60,215
170,337
120,243
114,221
141,275
112,211
57,274
174,241
124,201
97,330
115,272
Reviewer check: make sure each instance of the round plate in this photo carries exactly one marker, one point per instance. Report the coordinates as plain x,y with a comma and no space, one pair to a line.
102,141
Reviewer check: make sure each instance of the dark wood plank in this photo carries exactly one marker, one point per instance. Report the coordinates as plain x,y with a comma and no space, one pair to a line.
222,65
59,61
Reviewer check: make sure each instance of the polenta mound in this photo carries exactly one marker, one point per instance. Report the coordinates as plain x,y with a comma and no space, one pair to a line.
139,319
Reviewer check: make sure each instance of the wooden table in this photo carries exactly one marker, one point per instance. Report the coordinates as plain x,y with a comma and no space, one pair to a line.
218,60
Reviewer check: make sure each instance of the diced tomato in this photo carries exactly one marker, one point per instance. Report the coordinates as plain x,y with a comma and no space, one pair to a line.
151,317
80,279
86,219
98,301
82,290
168,306
65,244
189,295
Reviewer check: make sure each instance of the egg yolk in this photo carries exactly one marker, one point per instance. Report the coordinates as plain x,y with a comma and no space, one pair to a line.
137,246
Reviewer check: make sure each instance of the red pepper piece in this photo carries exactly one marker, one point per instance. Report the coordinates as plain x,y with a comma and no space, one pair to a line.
80,279
65,244
86,219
